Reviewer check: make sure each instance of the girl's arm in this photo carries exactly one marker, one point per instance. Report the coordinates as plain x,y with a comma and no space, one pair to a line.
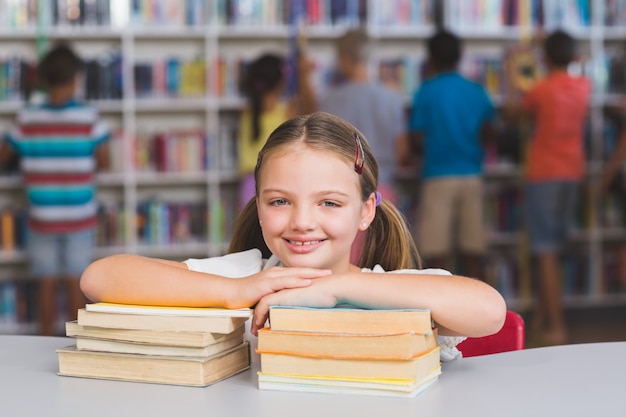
459,305
133,279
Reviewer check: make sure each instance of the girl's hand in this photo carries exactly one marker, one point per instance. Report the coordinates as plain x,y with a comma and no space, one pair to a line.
318,294
248,291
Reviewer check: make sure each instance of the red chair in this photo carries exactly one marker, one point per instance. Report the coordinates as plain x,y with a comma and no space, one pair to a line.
510,337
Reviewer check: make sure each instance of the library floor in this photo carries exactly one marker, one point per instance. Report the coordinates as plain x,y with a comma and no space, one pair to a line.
587,325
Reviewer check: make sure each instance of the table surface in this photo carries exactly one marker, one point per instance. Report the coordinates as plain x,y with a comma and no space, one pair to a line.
571,380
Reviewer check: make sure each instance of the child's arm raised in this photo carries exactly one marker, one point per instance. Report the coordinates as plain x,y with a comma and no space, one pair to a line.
459,305
133,279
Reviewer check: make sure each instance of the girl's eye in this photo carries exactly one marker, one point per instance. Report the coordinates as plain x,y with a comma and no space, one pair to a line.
330,204
278,202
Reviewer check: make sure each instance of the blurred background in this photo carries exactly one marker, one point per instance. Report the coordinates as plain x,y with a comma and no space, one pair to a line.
166,77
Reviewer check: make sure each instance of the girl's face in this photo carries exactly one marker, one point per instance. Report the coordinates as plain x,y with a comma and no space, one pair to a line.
310,208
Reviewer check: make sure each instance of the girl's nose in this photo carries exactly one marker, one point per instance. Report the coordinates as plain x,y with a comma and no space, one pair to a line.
302,219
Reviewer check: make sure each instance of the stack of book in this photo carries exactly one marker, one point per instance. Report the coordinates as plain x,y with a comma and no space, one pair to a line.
343,350
167,345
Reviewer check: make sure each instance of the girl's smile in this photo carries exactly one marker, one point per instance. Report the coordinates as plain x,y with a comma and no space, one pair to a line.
303,246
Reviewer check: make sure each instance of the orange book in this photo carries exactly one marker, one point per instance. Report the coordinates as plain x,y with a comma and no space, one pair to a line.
8,230
400,346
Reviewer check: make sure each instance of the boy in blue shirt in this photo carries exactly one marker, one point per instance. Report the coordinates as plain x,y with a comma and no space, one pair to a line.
450,121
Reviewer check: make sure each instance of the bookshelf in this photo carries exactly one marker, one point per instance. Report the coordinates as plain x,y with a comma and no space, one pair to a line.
206,40
590,261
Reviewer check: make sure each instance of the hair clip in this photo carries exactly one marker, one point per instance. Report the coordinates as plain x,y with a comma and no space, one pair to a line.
379,198
359,159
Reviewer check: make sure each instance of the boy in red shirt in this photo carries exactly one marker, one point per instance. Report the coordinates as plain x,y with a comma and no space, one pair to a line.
558,106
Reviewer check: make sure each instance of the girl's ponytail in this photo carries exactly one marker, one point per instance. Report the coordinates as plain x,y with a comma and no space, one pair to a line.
247,233
389,242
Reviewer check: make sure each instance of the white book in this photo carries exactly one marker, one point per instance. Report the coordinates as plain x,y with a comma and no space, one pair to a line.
102,345
374,387
179,319
153,337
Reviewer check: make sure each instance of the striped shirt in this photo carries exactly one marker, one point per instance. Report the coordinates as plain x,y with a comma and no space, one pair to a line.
57,146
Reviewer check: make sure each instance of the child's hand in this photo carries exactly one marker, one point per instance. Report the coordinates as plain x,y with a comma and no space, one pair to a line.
317,294
248,291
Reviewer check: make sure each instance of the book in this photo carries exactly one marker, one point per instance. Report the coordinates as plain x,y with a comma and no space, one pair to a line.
168,310
294,365
213,320
346,345
350,320
155,337
373,387
173,370
103,345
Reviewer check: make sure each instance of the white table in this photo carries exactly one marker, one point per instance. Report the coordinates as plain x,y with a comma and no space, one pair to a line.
573,380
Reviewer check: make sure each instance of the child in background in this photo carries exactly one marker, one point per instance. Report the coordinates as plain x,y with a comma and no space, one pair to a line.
372,108
59,148
451,120
264,86
558,106
316,187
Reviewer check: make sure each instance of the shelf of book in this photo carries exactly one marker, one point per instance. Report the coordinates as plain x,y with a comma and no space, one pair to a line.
217,35
589,275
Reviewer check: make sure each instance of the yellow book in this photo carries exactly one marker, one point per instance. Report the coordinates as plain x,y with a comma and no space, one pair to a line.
355,386
293,365
168,310
350,320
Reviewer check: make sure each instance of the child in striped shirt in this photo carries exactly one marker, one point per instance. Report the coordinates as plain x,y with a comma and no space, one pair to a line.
59,147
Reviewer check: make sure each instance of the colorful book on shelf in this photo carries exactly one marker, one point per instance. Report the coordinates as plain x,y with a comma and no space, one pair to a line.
139,317
400,346
374,387
324,367
7,230
152,337
174,370
350,320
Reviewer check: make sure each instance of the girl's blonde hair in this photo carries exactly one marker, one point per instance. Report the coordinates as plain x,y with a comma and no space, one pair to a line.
389,242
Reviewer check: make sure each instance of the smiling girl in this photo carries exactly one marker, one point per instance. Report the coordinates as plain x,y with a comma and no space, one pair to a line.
316,181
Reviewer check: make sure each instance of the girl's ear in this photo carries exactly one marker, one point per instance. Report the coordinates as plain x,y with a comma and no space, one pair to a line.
368,212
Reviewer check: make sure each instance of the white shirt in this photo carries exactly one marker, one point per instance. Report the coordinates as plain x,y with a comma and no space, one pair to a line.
243,264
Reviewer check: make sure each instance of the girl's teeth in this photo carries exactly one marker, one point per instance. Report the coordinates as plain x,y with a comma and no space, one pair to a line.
307,243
